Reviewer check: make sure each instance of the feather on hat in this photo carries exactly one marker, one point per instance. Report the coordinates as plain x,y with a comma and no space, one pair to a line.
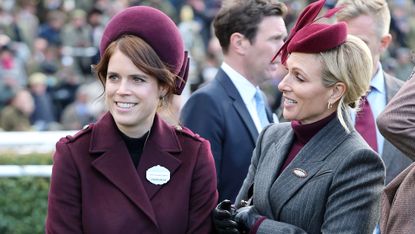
309,37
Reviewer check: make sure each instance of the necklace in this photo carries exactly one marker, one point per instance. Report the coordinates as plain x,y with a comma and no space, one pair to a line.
145,141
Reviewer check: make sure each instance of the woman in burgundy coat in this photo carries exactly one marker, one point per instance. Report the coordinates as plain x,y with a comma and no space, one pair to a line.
131,172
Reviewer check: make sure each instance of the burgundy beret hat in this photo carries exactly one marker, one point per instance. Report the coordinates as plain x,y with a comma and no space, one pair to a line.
158,30
309,37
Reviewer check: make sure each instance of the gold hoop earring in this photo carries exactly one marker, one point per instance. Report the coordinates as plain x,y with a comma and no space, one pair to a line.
329,105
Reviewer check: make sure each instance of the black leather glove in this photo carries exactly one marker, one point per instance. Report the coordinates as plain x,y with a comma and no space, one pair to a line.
246,217
222,218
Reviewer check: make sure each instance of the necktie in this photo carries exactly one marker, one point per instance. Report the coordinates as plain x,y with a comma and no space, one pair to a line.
260,108
365,124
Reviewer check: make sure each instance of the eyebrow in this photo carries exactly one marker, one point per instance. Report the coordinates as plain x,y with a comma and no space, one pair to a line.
130,75
295,68
279,35
112,73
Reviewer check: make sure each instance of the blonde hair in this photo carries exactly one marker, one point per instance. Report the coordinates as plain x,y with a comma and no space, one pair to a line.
350,64
377,9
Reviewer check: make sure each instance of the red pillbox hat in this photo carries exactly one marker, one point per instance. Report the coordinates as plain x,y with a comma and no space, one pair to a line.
309,37
155,28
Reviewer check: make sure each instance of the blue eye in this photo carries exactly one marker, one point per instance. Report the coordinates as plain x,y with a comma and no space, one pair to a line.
112,77
138,79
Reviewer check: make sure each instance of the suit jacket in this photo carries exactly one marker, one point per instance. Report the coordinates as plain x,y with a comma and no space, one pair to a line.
398,204
218,113
95,187
397,121
395,161
333,185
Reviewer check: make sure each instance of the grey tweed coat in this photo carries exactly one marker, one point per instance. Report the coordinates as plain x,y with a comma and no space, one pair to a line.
333,185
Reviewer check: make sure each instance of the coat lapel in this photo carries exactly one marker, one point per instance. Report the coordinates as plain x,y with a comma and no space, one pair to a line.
269,168
159,150
309,160
238,103
115,164
391,86
118,168
269,114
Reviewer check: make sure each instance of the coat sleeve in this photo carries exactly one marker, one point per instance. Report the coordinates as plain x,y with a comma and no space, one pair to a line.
397,203
202,115
397,121
64,199
204,195
353,203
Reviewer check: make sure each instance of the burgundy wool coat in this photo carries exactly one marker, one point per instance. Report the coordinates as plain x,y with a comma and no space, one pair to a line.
95,187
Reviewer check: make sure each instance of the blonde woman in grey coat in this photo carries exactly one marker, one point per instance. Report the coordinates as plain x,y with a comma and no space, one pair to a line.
315,174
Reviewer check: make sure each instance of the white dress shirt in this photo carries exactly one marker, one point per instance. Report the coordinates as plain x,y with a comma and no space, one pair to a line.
247,92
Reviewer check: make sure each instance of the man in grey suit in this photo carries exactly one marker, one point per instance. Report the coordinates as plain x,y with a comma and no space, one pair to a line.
227,111
370,21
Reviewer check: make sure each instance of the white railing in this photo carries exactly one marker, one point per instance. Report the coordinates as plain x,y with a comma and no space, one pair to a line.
29,142
25,170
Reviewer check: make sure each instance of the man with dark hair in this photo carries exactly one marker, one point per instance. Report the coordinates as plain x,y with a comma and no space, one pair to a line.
230,111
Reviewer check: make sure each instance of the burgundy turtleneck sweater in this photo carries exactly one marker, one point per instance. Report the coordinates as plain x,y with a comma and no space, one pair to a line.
302,134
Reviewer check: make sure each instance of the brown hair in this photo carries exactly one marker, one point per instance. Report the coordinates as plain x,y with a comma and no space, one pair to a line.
244,17
143,57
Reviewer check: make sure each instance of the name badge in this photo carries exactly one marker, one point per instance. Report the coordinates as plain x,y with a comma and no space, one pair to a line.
158,175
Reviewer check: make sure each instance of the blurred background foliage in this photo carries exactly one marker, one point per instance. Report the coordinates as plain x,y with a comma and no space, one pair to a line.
23,200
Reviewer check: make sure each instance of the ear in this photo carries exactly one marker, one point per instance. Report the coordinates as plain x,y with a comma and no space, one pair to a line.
238,43
385,42
338,90
162,91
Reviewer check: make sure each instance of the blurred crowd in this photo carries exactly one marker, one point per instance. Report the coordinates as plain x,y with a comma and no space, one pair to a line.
47,48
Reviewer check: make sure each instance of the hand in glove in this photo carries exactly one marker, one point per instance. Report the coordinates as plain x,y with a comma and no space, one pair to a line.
222,218
246,217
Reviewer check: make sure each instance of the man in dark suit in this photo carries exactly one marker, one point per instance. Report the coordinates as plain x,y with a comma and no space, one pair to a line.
227,111
370,20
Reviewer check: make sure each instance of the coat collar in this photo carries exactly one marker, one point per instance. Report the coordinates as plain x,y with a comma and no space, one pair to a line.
392,85
115,163
162,135
310,159
237,103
